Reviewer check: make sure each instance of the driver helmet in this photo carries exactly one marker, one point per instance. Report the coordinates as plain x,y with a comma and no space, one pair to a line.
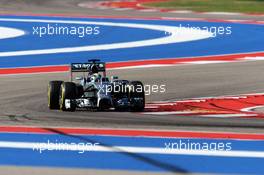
94,69
95,77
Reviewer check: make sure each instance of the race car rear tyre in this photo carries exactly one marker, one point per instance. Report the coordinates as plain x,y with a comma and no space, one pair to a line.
68,92
137,91
54,94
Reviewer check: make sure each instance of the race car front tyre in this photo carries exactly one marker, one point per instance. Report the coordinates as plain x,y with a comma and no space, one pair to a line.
137,96
67,96
53,94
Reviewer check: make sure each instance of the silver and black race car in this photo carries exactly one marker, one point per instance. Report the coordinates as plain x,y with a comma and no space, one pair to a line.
95,90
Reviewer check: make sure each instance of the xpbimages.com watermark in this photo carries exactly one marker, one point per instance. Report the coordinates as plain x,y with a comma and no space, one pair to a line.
148,89
198,146
79,147
214,30
57,29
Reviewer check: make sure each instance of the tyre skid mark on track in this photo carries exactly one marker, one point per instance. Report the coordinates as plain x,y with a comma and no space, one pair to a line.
230,106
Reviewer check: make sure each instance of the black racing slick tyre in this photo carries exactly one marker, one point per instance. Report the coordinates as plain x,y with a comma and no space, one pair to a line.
54,94
137,92
68,92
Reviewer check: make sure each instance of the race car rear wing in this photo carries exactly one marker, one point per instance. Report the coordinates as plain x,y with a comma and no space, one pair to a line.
85,67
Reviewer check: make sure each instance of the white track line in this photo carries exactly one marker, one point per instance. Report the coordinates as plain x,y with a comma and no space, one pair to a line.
257,58
250,109
206,62
181,11
221,13
149,150
228,115
178,35
6,32
122,9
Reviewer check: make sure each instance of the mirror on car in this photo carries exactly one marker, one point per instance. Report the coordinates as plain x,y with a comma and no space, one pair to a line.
114,78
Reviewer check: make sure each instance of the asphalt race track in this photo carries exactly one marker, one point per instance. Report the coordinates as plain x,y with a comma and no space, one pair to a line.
24,96
26,103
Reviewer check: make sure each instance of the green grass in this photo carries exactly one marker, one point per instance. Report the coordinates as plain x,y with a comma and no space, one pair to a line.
246,6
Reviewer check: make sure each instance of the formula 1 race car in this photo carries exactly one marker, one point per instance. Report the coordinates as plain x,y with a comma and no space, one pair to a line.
95,90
